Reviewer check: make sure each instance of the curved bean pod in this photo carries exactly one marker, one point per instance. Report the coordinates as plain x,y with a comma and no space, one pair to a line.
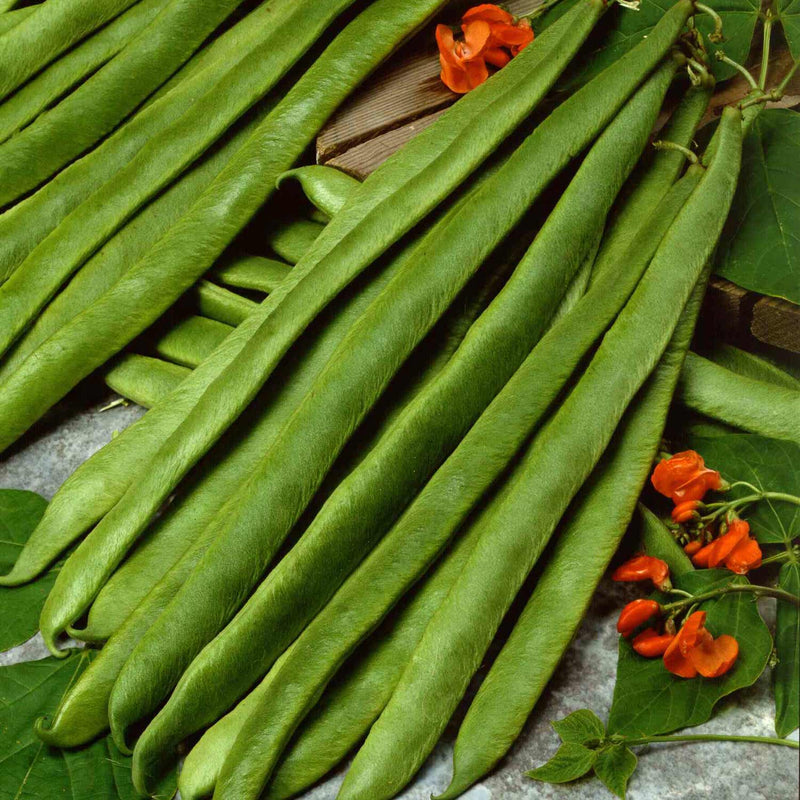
326,188
142,379
369,500
737,400
551,472
252,272
62,75
565,588
48,32
25,225
334,74
98,105
32,284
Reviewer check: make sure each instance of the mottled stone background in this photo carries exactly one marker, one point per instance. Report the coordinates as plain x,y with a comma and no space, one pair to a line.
722,771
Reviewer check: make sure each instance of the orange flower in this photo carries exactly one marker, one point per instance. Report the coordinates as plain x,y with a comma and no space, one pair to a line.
685,511
695,651
736,550
644,568
684,477
635,614
692,548
490,37
652,644
463,67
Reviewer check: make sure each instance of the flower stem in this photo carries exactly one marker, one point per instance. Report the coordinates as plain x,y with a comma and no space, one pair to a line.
713,737
736,588
762,78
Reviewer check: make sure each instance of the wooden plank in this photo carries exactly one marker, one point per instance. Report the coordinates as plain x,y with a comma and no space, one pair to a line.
776,322
405,89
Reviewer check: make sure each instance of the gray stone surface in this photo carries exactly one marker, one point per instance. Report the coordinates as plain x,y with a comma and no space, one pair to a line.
585,679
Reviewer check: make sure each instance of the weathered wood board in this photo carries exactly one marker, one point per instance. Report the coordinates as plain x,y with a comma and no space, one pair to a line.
406,95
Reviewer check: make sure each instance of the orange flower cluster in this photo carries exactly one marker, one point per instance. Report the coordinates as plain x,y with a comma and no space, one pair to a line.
692,650
491,37
736,550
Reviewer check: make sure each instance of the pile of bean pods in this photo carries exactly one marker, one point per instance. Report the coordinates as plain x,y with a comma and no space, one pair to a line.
368,428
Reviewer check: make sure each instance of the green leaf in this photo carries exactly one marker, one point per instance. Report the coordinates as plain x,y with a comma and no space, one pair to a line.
786,675
623,28
20,513
614,767
649,700
572,761
789,11
580,727
760,246
29,769
770,465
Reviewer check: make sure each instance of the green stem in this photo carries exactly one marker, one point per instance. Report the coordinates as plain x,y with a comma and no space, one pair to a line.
778,558
717,35
662,144
762,78
758,591
712,737
720,56
781,87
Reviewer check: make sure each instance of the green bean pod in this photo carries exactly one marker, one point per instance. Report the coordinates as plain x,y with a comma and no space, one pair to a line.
218,214
251,272
82,714
746,403
223,305
551,472
656,539
563,592
108,265
62,75
750,365
346,709
326,188
126,457
9,19
191,340
372,496
651,182
142,379
32,284
50,30
25,225
99,104
292,239
188,518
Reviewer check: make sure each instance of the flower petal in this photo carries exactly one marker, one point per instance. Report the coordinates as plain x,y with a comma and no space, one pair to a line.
476,39
676,662
488,12
714,657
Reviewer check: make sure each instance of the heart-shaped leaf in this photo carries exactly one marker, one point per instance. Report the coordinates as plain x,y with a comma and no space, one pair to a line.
572,761
770,465
760,246
789,11
29,769
614,766
786,675
580,727
20,512
649,700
